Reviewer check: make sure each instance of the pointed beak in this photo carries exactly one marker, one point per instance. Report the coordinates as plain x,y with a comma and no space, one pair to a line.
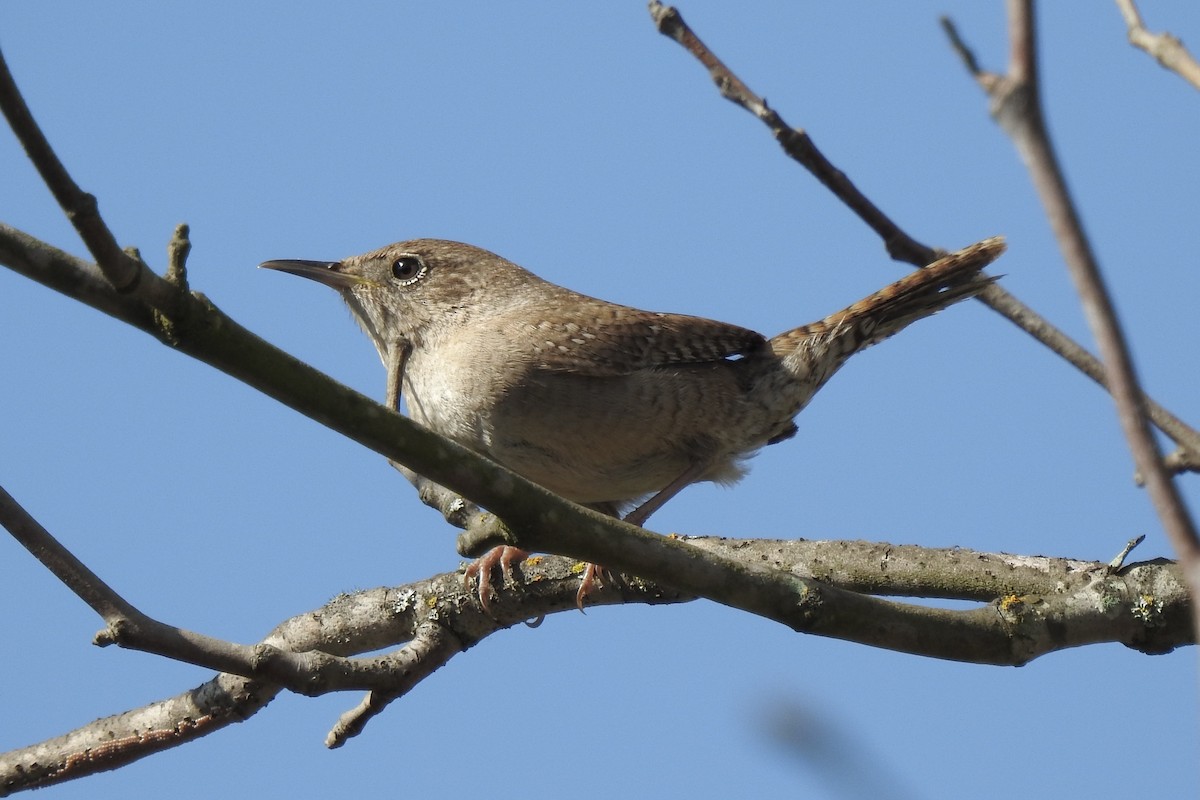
330,273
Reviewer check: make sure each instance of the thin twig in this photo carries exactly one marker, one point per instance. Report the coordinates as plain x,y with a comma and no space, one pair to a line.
900,245
74,574
431,647
794,141
132,629
80,207
1166,49
1118,560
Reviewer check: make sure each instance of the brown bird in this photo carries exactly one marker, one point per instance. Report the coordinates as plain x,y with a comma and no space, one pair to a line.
606,405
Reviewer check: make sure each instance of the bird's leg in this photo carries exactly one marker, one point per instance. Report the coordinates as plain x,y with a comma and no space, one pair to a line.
638,516
642,513
593,574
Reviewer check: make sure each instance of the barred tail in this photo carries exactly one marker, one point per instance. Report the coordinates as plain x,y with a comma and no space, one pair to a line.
927,291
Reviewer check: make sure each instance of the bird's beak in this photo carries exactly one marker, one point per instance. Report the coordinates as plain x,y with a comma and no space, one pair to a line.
330,273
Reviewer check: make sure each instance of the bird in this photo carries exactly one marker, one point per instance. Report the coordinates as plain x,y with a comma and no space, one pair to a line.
609,406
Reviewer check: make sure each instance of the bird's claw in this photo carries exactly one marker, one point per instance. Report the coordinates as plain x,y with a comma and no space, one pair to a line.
503,556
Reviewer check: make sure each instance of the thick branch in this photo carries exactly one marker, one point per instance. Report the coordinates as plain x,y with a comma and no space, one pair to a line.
1043,605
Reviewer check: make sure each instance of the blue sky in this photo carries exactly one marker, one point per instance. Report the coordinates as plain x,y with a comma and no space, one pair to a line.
595,152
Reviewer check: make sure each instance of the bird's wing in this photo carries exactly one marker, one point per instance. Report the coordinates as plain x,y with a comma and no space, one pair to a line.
608,340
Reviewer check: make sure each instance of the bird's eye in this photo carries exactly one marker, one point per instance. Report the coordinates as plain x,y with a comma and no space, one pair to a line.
408,269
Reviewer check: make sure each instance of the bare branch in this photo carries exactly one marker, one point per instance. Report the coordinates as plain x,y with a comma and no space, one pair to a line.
1040,605
122,271
1016,106
115,741
1034,606
794,141
74,574
799,146
1166,49
431,647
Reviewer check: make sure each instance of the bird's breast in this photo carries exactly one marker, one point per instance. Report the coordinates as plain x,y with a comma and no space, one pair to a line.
590,438
453,392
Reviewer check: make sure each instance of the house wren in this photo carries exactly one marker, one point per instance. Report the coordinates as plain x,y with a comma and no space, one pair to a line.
605,404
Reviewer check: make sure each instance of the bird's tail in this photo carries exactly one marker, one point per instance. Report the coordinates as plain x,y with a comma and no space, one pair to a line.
818,349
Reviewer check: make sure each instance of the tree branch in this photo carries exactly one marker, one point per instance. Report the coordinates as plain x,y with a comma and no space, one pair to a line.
1166,49
534,519
115,741
1037,605
798,145
1016,106
122,271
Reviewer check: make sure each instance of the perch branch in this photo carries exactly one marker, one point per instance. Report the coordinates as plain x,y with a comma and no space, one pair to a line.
1040,604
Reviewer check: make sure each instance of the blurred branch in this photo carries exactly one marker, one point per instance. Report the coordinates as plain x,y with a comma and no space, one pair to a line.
798,145
832,749
1166,49
1015,100
1182,461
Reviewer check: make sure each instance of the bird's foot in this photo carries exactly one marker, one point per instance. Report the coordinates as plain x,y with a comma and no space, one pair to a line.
505,557
482,568
593,575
